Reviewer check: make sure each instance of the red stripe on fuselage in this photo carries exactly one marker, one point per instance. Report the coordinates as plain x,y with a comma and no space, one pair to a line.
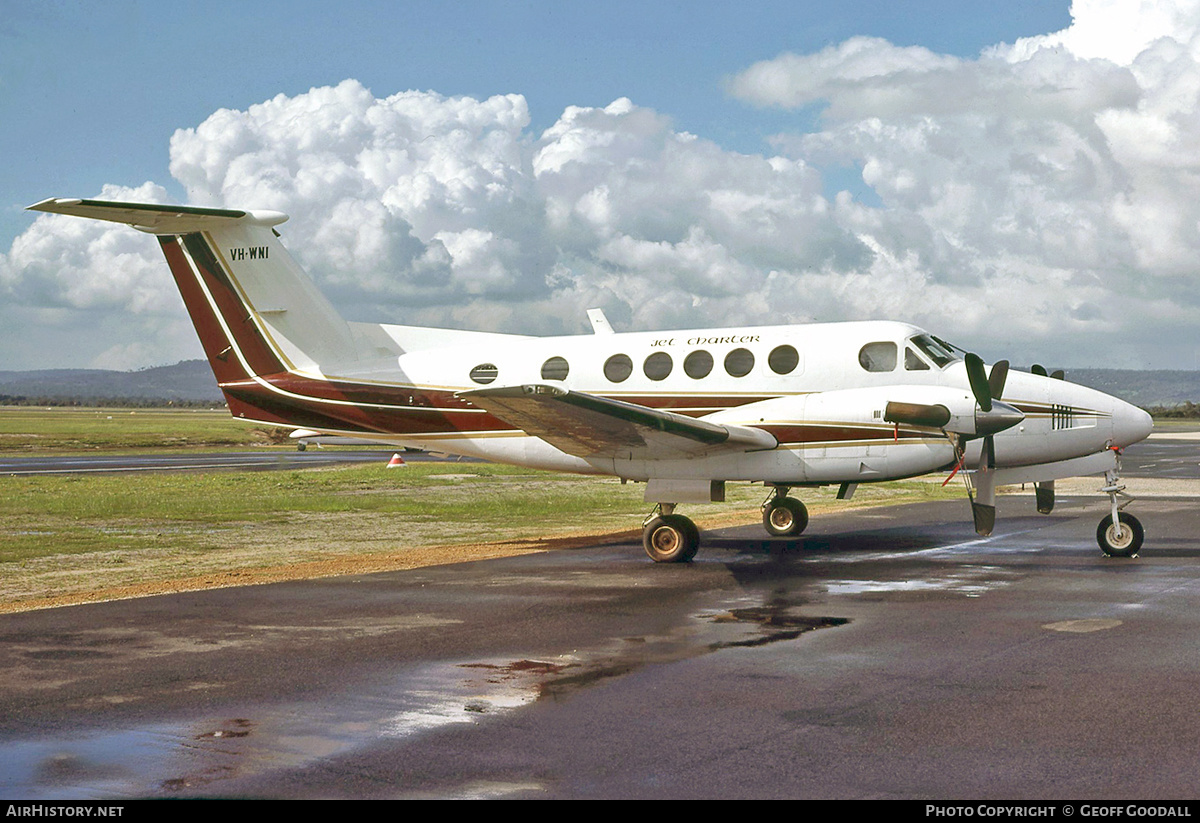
271,394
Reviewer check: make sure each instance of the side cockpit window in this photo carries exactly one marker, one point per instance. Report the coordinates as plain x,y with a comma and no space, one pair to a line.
913,361
878,357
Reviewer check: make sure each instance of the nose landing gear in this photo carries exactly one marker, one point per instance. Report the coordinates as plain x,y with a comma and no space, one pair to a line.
1119,534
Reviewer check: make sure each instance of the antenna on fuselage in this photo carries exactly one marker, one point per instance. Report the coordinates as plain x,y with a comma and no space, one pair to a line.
600,324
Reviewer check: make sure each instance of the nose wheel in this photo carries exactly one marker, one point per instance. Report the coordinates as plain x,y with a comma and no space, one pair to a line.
1122,538
1119,534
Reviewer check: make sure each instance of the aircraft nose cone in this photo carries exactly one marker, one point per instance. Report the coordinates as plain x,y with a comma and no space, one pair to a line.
1130,425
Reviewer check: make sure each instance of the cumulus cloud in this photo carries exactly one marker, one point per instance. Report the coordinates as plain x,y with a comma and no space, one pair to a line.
1041,200
418,208
1047,189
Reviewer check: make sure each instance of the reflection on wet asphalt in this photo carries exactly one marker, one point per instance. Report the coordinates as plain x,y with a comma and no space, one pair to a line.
766,668
189,758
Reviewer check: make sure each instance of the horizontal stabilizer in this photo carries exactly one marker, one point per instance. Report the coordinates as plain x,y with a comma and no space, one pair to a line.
156,219
587,425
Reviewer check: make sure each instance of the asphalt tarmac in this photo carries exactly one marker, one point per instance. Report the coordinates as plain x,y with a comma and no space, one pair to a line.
884,654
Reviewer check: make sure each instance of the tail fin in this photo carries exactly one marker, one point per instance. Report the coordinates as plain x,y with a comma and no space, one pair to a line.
255,310
257,313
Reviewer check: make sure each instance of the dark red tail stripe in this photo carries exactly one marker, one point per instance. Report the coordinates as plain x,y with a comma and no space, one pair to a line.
258,354
217,347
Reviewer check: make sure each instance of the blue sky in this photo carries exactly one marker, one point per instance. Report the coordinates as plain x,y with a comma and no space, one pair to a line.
1022,178
90,93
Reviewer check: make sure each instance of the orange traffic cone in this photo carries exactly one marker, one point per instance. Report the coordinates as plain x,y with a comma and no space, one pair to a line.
396,460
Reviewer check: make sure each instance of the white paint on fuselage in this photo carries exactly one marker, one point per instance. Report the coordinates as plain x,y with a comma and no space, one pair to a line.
827,386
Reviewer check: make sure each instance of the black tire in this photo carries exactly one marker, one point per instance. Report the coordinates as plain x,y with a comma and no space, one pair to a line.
671,538
785,517
1130,542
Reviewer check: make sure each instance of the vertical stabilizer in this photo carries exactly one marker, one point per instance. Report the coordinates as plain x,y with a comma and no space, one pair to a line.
256,312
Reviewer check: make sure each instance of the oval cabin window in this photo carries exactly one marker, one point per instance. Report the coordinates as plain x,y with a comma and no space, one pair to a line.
618,368
739,362
783,359
484,373
698,364
556,368
658,365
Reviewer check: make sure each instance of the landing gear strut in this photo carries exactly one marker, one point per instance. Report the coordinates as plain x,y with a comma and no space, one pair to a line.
784,516
669,537
1119,534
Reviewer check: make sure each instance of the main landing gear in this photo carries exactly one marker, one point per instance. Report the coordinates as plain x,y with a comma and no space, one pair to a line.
669,537
784,516
1119,534
672,538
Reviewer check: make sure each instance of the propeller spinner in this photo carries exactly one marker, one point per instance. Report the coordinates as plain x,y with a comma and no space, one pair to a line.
992,415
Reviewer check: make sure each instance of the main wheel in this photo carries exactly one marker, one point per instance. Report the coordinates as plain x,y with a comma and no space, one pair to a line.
671,538
1128,543
785,517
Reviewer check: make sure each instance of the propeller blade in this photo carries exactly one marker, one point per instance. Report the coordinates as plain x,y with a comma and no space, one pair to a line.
1044,494
979,381
985,518
983,504
1039,370
997,378
917,414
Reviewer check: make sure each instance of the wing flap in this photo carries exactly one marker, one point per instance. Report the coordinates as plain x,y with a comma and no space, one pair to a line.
587,425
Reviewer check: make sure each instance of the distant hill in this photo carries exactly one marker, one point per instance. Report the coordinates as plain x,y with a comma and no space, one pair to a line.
1142,388
192,382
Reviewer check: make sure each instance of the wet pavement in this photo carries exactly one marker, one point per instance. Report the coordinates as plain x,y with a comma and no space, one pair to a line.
885,653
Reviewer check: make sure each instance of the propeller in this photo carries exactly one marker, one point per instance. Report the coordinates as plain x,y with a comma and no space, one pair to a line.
993,416
1057,374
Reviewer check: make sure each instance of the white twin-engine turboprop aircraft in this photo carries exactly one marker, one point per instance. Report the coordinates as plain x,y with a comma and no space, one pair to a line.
684,412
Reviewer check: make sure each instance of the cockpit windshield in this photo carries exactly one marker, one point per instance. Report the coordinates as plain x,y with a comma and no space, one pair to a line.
936,350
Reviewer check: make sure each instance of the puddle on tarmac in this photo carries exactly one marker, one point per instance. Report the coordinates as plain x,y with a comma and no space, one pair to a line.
971,581
774,625
195,758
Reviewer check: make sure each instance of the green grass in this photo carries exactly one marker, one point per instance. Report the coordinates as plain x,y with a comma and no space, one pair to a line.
77,534
25,429
446,502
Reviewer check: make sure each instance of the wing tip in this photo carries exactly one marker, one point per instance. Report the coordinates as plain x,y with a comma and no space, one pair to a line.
49,202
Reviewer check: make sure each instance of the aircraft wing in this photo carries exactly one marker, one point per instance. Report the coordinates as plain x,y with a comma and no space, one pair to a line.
587,425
